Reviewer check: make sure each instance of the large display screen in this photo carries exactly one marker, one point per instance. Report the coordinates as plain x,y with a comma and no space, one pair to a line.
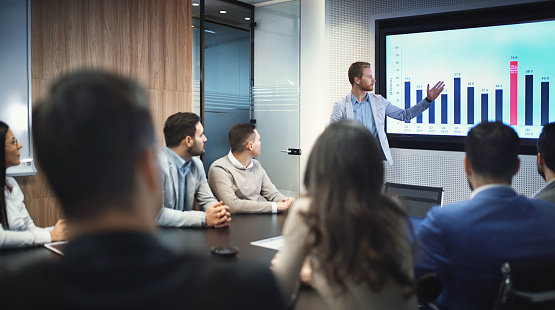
496,72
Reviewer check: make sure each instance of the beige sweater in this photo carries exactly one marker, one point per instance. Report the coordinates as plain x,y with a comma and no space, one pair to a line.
358,296
240,188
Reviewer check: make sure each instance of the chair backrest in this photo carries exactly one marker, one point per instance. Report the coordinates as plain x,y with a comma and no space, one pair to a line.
527,285
417,200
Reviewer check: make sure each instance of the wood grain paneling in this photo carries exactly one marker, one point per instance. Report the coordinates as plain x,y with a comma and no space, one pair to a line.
149,40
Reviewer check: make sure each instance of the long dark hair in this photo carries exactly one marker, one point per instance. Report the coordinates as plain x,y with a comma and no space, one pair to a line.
357,233
3,212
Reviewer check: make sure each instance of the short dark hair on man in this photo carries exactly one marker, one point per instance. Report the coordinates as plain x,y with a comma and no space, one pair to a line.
179,126
546,145
492,149
89,132
355,70
239,134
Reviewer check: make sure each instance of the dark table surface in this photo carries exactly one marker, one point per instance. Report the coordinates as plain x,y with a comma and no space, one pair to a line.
244,229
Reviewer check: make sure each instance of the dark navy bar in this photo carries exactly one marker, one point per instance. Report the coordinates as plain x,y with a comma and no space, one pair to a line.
432,114
444,108
457,98
499,105
484,115
470,98
407,97
528,98
545,103
418,99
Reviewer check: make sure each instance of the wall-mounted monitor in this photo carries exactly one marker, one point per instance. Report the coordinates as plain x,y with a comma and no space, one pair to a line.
498,64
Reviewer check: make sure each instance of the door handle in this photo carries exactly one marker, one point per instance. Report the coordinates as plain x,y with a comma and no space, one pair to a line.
292,151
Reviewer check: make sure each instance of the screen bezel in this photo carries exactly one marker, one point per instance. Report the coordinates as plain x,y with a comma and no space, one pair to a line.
494,16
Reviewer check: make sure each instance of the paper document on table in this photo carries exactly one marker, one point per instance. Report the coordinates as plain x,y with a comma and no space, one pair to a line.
274,243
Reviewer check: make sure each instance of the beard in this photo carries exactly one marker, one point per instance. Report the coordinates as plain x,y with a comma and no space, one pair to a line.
470,184
196,150
541,171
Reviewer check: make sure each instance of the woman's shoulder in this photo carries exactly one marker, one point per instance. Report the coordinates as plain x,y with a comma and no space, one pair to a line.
302,204
11,182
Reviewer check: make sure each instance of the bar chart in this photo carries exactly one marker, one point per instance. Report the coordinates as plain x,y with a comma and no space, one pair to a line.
498,73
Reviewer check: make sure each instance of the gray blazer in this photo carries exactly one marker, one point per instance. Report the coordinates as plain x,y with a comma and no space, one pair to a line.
547,192
343,109
173,215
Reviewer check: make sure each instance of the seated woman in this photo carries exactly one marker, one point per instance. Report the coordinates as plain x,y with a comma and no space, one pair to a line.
17,229
356,238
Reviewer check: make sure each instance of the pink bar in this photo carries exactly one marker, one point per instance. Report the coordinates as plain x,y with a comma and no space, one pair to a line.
514,93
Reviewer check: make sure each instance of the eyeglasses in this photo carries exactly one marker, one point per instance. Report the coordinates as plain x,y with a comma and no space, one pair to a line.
14,142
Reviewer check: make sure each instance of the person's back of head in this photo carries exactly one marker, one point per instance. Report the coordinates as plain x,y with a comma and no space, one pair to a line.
492,150
178,126
239,135
546,145
344,178
89,133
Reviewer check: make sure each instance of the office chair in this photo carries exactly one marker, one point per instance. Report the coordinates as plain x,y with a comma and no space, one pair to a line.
417,200
527,285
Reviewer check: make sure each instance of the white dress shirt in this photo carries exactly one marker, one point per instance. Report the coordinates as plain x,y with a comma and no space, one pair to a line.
22,231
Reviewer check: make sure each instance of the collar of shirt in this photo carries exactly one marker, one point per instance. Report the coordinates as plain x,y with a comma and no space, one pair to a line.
485,187
180,162
546,184
354,100
236,163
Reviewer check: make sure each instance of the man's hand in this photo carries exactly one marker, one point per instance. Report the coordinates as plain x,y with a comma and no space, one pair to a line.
59,231
435,91
218,215
285,204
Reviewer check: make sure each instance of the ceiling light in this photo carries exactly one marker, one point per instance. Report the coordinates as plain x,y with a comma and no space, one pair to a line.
209,31
223,11
247,18
196,4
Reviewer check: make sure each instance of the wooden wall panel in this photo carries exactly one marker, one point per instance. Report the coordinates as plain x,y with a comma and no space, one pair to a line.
149,40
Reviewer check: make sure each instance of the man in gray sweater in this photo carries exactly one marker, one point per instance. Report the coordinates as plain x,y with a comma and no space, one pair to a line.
238,179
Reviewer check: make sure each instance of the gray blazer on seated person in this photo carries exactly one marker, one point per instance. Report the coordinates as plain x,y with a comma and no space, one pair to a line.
197,188
547,192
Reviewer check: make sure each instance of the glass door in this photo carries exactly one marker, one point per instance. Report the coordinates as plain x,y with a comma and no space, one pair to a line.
275,101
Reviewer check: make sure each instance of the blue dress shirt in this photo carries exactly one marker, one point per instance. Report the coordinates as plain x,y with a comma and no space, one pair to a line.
363,114
184,167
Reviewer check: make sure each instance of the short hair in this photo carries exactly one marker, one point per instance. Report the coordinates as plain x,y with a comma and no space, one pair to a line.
492,149
546,145
239,134
355,70
89,132
179,126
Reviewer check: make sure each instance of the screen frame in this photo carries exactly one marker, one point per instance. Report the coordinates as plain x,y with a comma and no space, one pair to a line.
494,16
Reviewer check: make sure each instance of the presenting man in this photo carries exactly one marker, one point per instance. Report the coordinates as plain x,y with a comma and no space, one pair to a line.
546,162
370,109
238,179
95,142
465,243
183,177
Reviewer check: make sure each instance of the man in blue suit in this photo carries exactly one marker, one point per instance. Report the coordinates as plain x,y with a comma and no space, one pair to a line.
465,243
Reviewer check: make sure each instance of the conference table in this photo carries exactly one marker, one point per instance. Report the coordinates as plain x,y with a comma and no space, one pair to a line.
244,229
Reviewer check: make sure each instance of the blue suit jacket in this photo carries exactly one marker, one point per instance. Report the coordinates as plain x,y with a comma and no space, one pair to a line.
466,243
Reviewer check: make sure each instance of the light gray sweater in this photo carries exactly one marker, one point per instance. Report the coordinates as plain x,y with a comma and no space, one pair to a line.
240,188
